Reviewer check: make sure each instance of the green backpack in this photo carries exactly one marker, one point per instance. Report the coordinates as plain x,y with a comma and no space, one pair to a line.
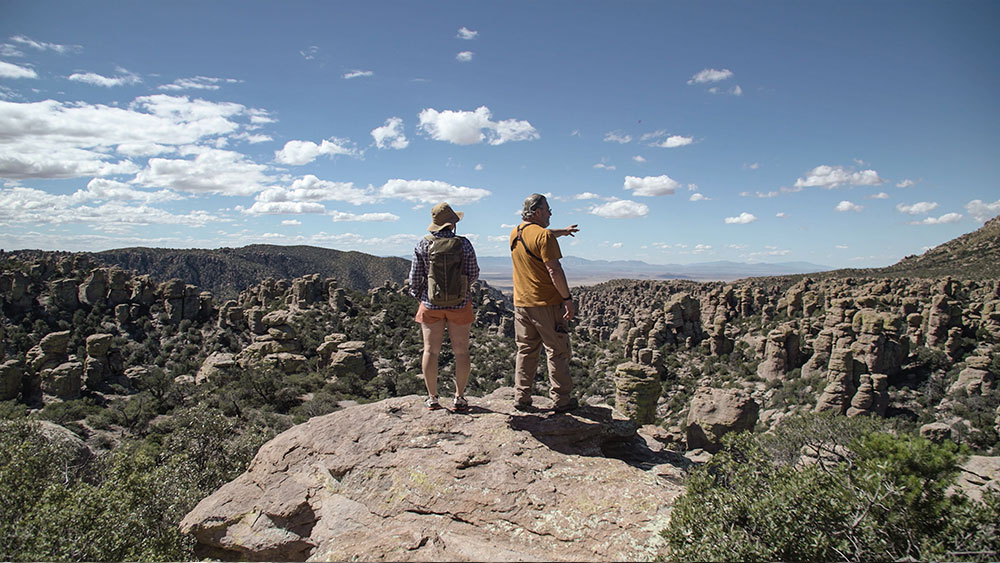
447,284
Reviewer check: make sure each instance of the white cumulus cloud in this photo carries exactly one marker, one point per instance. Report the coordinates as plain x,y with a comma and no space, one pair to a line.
431,191
473,127
464,56
211,171
69,140
981,211
742,219
303,152
675,141
942,220
466,33
829,177
309,188
285,208
30,206
124,78
9,70
662,140
734,91
617,137
711,75
198,83
339,217
698,197
919,208
620,209
390,135
905,183
845,205
651,185
103,189
358,74
43,46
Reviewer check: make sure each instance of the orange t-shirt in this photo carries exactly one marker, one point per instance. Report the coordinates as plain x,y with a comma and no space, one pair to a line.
533,286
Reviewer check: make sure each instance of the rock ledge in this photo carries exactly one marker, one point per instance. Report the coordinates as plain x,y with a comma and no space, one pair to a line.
393,481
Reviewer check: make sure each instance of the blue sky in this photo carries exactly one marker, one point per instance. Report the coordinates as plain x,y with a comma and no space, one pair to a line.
849,134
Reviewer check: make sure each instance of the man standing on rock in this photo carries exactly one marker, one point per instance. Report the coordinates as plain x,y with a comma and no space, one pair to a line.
543,305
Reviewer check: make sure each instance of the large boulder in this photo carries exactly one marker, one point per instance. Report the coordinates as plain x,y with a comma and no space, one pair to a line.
716,412
392,481
975,378
64,381
978,474
49,353
351,359
216,367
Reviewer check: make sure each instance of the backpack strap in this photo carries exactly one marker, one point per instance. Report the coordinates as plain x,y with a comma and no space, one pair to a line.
520,229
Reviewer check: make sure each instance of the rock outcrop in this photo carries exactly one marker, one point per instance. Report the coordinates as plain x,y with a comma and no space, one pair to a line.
781,353
716,412
390,481
637,389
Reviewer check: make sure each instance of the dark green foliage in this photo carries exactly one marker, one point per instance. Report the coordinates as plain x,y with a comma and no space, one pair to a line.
12,410
124,506
882,499
67,412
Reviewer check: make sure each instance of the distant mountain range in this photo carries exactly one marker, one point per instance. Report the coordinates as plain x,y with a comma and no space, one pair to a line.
497,270
227,271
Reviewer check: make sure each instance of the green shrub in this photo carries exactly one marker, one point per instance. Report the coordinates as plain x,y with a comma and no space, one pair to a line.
126,506
884,499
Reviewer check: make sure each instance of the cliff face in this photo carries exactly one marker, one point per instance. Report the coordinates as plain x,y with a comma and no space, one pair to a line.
393,481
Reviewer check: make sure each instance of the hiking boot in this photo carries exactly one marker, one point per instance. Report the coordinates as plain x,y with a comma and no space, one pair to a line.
432,403
523,407
572,404
461,404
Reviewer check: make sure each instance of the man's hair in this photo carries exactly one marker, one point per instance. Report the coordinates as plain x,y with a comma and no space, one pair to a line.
531,204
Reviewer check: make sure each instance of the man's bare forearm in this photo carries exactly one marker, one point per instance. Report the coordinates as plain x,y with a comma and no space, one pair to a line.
558,277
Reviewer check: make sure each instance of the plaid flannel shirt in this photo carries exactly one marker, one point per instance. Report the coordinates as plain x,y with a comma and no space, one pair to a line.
419,268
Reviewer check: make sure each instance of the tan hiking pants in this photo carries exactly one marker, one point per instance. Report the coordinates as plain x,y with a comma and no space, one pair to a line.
535,327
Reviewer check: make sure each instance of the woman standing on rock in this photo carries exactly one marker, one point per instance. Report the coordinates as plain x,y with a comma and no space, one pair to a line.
444,266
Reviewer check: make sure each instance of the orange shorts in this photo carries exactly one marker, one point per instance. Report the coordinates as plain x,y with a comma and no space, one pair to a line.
463,316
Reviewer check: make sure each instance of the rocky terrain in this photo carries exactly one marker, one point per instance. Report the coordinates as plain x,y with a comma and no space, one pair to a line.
667,368
390,481
227,271
859,346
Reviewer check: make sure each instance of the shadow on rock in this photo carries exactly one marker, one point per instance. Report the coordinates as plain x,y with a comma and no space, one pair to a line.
593,431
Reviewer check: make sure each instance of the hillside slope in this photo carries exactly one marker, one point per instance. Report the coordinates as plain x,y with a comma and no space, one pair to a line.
227,271
972,256
975,255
